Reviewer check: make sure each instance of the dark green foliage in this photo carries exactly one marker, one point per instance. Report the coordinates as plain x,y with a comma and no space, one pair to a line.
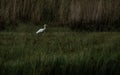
59,52
95,26
93,15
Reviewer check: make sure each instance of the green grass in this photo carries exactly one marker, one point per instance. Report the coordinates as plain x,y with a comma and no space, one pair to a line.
59,51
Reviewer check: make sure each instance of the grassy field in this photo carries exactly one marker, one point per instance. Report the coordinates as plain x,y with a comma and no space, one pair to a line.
59,51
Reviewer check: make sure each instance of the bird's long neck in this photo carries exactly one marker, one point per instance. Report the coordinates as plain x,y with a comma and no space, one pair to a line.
44,27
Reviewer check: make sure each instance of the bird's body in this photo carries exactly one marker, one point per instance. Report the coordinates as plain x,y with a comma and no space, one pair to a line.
41,30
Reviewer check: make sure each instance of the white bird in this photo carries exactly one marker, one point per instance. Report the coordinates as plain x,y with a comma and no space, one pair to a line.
41,30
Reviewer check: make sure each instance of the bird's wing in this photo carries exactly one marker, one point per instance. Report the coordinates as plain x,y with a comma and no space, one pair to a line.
40,30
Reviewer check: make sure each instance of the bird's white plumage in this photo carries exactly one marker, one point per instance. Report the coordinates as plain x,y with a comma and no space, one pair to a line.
41,30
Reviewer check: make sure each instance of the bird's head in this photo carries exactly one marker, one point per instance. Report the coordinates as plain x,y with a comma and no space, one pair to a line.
44,25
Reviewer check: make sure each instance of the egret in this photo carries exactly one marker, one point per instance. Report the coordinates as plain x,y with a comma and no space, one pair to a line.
41,30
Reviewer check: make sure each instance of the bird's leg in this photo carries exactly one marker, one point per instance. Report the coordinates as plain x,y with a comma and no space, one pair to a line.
43,33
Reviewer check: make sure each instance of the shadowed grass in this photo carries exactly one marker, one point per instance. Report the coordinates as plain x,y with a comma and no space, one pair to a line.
59,53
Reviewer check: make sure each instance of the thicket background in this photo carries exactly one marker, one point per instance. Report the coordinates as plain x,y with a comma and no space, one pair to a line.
83,14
